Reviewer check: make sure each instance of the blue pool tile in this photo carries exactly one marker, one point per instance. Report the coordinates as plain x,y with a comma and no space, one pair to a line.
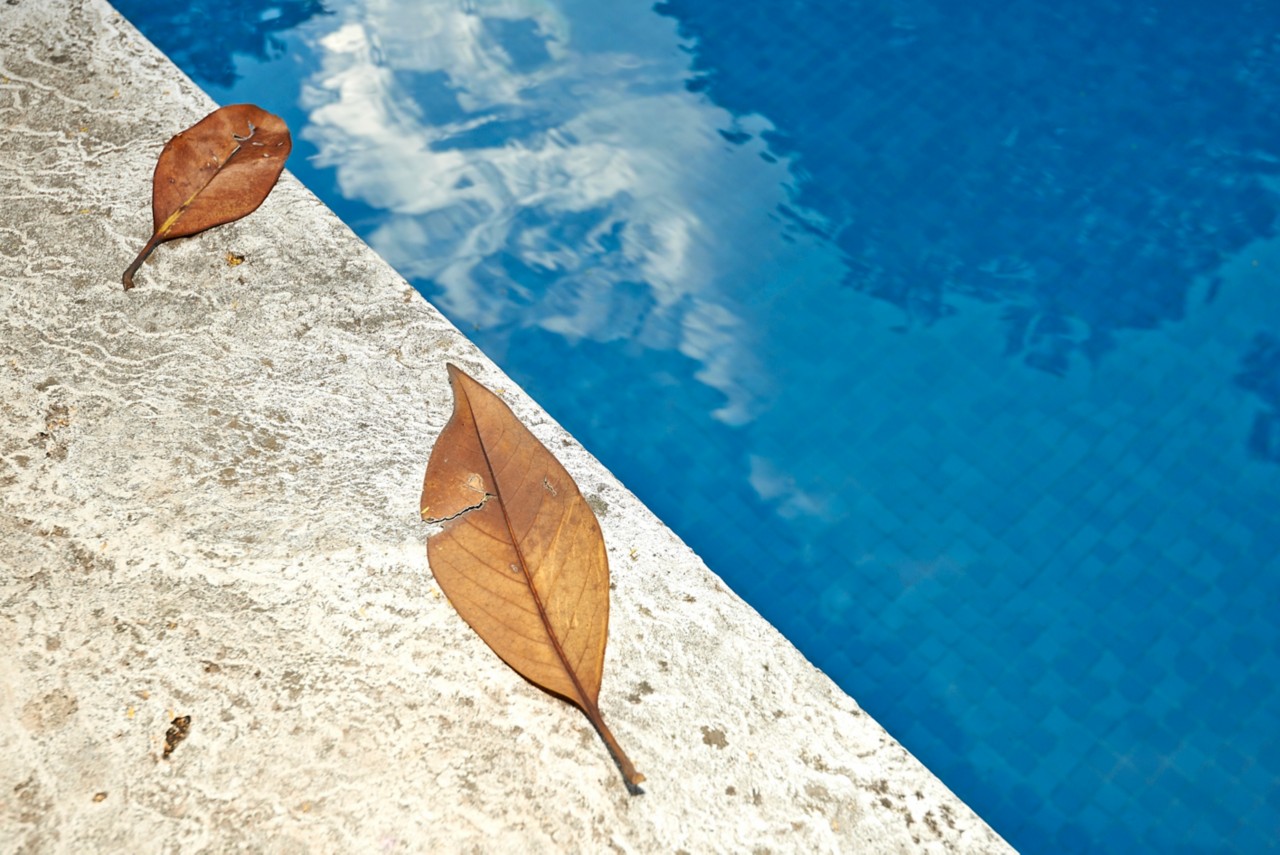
1074,662
1075,789
1127,778
1257,686
1121,537
1109,669
1259,778
1231,761
1110,796
1075,837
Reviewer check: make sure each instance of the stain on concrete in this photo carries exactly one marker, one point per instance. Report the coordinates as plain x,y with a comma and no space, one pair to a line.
640,692
599,505
714,736
50,712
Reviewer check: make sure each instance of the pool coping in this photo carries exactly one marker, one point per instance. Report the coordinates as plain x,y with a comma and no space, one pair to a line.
208,509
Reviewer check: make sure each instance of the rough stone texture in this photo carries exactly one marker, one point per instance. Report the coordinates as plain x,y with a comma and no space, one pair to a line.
208,507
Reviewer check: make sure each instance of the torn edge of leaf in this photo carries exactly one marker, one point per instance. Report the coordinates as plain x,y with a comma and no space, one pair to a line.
475,484
484,499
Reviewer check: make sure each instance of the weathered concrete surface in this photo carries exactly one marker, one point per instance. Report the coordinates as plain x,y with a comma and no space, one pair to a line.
208,507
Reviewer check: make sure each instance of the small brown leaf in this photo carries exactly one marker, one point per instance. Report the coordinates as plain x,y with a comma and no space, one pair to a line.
521,555
216,171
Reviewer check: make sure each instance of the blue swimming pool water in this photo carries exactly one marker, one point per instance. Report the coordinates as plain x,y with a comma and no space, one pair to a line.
949,335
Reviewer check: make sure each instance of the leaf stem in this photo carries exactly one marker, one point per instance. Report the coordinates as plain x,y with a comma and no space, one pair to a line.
137,262
629,772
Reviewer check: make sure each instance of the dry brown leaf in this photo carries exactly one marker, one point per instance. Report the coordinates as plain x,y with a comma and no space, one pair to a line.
520,555
216,171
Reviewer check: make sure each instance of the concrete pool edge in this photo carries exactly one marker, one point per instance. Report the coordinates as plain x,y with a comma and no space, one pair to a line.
209,509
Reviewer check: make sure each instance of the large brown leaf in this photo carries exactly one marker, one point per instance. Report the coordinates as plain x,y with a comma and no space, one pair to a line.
216,171
520,555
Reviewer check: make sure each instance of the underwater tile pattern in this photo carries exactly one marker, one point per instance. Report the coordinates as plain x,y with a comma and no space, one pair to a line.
949,335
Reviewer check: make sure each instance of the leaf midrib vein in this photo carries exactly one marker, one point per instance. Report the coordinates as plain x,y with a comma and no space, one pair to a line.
586,699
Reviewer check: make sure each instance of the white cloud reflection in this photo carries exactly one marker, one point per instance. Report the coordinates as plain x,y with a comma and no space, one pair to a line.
538,178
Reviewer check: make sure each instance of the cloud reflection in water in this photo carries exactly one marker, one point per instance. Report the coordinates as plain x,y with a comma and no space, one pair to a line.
534,178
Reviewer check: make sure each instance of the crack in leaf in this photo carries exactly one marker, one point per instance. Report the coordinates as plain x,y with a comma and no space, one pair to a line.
440,520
